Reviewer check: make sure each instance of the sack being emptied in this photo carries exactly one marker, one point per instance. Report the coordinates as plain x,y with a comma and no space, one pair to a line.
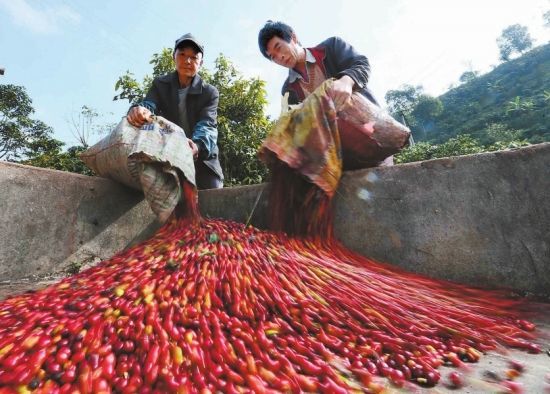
319,140
155,159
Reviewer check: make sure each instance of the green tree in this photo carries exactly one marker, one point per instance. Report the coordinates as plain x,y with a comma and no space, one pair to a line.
425,113
242,122
495,86
29,141
468,76
501,137
462,144
21,136
519,105
515,93
402,101
500,132
501,145
55,159
134,91
514,38
417,152
514,105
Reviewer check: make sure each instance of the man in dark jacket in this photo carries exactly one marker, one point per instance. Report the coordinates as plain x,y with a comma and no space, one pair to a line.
184,98
309,67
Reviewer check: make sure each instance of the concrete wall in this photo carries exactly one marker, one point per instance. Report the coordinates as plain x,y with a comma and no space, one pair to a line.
481,219
51,219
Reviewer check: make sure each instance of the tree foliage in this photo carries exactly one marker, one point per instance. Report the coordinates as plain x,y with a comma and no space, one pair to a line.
462,144
30,141
56,159
242,123
505,109
468,76
401,102
518,105
516,94
425,113
419,110
21,136
514,38
134,91
498,132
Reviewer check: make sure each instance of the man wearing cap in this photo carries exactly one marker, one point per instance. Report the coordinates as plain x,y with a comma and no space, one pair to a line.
185,99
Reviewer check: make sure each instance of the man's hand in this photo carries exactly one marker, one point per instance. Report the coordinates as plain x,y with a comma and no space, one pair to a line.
194,148
138,116
341,90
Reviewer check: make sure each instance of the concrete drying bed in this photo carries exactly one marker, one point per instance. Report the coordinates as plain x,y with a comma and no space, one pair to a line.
481,220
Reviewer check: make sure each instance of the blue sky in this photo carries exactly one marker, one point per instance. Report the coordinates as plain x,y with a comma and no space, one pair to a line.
70,53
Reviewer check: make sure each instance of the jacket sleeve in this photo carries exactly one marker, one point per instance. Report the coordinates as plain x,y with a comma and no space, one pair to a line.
348,61
150,101
205,134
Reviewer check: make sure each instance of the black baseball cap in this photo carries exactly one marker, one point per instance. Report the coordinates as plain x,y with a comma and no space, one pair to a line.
191,39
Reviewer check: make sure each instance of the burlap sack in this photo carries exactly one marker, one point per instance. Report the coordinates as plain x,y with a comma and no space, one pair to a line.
368,134
154,159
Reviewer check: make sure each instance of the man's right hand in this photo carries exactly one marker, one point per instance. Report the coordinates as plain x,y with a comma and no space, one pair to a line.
138,116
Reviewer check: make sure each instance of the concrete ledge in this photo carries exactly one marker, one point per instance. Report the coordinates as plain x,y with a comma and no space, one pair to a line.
53,219
481,219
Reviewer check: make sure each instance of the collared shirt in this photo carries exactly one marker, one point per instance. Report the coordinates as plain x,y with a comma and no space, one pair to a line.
294,75
314,75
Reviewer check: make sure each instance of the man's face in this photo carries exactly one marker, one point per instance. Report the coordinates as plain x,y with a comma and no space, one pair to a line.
188,61
283,53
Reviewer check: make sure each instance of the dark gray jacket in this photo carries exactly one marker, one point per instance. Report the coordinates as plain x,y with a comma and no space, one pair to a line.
202,111
337,58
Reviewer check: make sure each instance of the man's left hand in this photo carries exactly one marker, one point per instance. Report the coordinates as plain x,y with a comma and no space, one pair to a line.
341,90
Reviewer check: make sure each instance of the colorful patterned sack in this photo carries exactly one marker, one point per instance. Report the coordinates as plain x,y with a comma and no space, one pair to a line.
320,141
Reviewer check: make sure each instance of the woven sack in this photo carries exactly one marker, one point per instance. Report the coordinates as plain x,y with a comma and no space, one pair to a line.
368,134
154,159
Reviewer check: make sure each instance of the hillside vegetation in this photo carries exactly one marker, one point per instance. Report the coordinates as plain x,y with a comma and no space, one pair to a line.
515,95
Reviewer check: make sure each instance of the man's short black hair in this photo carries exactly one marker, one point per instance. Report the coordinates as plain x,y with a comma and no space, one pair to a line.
270,30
